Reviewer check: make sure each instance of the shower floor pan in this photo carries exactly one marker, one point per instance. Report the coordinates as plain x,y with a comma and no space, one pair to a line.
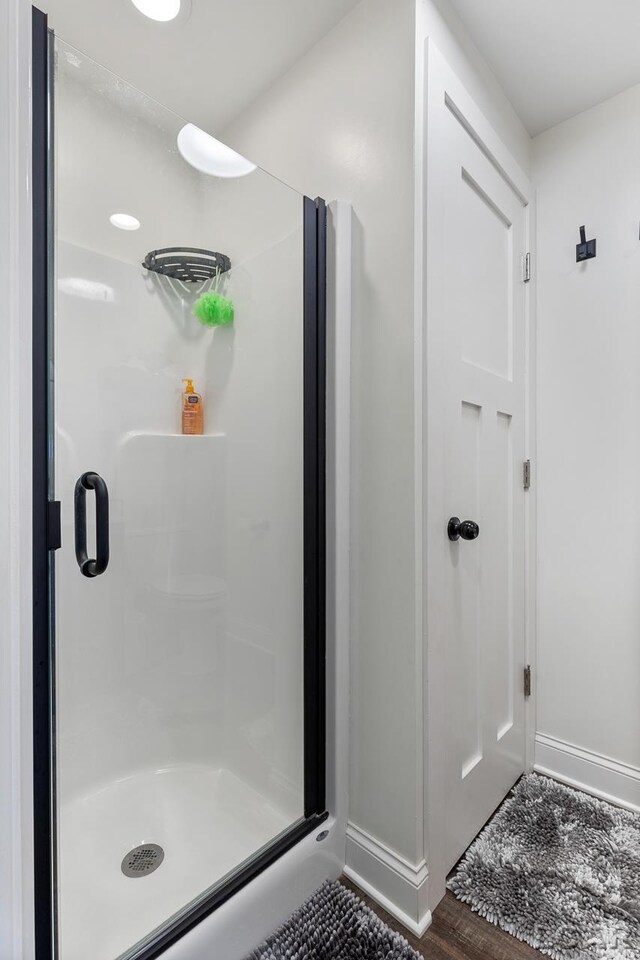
207,821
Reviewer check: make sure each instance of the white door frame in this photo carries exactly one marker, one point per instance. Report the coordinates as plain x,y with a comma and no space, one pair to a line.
437,84
16,783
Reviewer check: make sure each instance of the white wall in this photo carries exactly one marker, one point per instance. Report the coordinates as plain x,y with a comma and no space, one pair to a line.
586,172
341,123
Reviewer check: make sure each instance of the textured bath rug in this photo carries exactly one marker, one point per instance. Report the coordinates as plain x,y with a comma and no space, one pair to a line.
334,924
559,870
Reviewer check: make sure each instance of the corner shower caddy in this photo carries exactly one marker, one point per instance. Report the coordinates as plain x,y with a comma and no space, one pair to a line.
188,264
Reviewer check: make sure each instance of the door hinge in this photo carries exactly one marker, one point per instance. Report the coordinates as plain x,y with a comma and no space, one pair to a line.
526,268
54,534
526,474
527,681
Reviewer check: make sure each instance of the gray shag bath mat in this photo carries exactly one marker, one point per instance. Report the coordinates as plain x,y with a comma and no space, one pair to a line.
559,870
334,924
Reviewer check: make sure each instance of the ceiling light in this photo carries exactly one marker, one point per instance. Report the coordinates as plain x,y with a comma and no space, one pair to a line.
124,221
209,155
161,10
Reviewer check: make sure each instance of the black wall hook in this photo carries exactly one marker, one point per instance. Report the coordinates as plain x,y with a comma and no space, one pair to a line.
586,249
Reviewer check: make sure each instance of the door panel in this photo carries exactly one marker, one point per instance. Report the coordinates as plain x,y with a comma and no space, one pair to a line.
483,342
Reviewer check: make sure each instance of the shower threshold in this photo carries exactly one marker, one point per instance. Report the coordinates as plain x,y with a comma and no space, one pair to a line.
206,820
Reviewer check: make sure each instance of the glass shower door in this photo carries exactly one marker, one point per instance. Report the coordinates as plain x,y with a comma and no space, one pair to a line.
188,587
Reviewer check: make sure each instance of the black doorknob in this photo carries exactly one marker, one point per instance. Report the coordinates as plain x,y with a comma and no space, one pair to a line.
467,529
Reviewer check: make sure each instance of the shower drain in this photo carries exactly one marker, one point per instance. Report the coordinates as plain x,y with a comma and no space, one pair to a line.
142,860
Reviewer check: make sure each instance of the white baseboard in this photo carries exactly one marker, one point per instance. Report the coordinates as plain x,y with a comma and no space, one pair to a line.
600,776
397,885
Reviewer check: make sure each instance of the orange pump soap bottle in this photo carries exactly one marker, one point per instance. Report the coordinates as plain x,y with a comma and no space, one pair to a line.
192,418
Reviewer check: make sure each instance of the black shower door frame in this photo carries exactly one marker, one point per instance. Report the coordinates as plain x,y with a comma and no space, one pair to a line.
46,537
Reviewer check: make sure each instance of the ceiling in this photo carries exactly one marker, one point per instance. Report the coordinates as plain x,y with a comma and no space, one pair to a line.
555,58
209,68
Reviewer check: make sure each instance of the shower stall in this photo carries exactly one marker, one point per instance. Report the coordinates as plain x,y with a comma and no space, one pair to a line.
179,580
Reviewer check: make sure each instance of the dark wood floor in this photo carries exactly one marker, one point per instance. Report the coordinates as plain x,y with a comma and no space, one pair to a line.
456,933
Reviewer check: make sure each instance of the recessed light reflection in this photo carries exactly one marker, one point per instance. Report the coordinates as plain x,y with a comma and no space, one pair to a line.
209,155
124,221
87,289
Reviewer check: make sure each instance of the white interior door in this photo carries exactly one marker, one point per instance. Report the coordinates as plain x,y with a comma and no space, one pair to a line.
484,306
476,377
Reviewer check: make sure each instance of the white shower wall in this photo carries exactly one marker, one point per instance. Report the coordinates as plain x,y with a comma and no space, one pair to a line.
189,649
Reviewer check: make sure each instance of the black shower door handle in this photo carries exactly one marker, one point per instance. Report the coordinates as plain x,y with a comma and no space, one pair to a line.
92,481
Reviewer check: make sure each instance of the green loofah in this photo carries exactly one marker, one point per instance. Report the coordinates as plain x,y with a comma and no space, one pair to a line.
213,310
